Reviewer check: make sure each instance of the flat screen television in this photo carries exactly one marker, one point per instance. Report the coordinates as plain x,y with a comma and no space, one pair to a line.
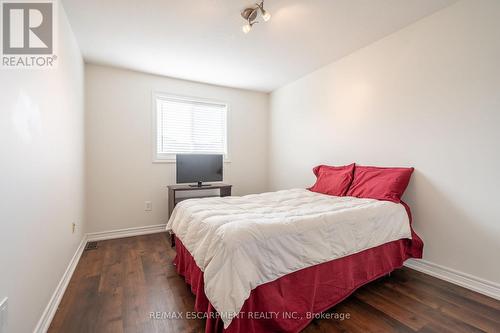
199,168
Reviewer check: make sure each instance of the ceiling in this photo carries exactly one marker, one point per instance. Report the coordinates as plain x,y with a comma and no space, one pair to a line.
201,40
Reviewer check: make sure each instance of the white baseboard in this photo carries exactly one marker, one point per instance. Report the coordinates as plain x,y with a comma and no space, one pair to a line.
129,232
462,279
51,308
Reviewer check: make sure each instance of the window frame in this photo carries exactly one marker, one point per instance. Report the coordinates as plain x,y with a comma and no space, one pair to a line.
170,158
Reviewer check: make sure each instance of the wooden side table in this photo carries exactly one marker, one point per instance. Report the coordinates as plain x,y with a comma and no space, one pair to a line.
173,200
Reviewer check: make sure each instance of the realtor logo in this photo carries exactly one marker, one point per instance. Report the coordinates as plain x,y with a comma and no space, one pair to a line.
28,34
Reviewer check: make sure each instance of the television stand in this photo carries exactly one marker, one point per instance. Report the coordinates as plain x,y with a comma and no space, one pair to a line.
200,184
173,191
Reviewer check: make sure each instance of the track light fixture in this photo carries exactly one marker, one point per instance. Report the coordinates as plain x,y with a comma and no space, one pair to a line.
250,15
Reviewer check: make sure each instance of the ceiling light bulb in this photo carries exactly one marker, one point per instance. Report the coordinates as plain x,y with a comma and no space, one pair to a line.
266,15
246,28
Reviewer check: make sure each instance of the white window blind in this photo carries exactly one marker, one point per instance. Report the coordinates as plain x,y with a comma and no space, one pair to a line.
189,126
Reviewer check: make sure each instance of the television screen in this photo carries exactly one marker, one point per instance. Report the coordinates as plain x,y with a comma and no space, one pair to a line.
193,168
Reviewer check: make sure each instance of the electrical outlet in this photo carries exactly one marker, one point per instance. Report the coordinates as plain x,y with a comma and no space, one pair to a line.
148,206
3,315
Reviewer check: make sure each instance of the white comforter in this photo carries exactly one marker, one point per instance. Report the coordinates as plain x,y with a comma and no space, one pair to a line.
242,242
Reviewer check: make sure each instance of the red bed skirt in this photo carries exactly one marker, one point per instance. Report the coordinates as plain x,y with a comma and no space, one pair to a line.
286,304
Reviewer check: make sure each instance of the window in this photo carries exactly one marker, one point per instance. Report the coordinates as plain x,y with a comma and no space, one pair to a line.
189,126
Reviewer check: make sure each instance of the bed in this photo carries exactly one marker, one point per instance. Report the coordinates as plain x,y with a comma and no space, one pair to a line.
281,257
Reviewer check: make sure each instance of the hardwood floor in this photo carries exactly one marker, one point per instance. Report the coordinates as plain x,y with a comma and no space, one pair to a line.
117,285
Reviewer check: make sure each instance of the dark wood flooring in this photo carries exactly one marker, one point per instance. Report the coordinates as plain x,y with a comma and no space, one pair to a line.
117,285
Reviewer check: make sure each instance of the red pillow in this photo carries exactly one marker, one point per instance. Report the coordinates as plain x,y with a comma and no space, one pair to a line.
333,180
380,183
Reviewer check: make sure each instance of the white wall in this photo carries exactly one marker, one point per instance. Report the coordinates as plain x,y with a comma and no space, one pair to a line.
41,179
120,172
427,96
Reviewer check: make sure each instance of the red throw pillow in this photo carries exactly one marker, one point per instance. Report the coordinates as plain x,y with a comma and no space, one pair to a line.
380,183
333,180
